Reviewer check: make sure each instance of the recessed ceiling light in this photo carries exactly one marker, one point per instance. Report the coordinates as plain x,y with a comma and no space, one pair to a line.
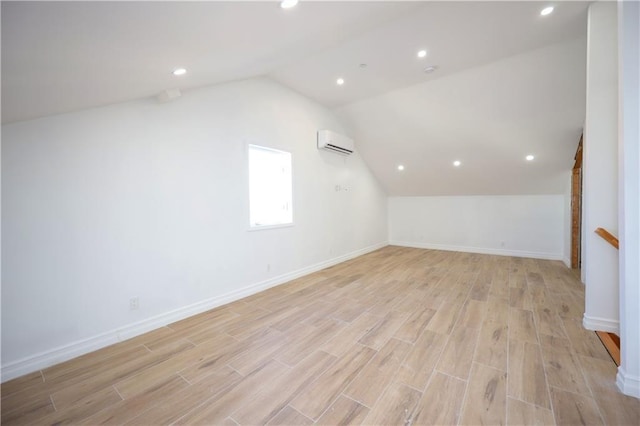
179,71
430,69
288,4
546,11
457,163
422,54
400,167
530,157
340,81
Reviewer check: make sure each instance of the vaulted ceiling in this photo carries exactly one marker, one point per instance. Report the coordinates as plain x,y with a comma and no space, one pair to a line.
508,81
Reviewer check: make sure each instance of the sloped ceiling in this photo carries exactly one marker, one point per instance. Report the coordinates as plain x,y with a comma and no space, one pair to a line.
456,35
64,56
509,82
489,118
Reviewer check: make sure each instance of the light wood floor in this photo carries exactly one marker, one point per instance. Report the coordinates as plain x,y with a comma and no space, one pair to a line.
396,337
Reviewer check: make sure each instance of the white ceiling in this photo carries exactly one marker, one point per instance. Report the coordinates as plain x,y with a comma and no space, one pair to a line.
510,82
65,56
457,36
489,118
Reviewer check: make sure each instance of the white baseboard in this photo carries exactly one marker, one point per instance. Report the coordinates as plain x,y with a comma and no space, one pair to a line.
628,385
63,353
567,262
481,250
601,324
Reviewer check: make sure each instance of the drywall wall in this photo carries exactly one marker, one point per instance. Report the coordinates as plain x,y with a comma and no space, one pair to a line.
600,170
150,200
566,250
628,379
0,241
527,225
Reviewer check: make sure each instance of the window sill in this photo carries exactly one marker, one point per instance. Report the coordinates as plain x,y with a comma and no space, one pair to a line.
265,227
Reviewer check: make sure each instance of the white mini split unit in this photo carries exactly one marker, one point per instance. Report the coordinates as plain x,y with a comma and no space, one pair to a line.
334,142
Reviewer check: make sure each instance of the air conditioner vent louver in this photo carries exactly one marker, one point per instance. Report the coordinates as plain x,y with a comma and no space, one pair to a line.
334,142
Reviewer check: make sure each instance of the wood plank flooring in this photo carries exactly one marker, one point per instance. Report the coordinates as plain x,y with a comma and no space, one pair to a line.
398,336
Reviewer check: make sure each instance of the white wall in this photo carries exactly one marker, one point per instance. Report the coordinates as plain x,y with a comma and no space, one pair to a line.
566,248
629,184
0,240
600,178
525,225
150,200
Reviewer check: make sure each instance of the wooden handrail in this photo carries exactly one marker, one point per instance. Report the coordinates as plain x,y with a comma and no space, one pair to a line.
608,237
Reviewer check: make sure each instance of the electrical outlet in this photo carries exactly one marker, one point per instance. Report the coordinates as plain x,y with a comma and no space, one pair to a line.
134,304
268,267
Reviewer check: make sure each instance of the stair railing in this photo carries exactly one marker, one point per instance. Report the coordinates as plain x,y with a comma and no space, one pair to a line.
608,236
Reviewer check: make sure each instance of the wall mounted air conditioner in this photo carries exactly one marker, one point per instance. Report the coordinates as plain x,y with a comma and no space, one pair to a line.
335,142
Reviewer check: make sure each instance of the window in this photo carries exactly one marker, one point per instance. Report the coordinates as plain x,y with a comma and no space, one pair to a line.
270,187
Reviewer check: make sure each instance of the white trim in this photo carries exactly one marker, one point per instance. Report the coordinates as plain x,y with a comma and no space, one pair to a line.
628,385
265,227
567,262
63,353
601,324
482,250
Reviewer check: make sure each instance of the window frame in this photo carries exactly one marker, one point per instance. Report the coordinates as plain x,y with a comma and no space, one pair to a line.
251,227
